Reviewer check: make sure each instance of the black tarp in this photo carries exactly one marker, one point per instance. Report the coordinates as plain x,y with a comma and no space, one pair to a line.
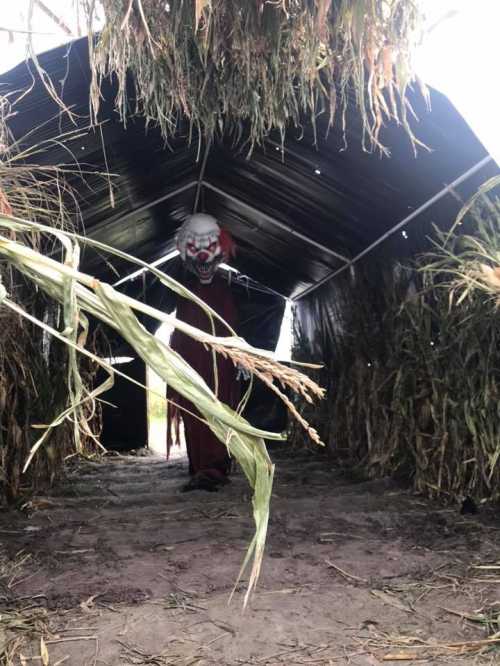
296,216
342,200
124,422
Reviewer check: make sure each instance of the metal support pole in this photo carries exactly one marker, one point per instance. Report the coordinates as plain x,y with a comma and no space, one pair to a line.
158,262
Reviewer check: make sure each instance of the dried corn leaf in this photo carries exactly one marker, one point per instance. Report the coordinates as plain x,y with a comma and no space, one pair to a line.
79,293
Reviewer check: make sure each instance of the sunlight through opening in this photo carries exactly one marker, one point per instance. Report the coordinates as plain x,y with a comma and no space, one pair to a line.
157,408
285,340
459,57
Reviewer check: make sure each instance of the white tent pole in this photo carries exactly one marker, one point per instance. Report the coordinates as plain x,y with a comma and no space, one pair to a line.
225,267
458,181
158,262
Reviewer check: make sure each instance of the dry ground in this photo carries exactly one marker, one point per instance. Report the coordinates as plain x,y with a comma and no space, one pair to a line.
118,567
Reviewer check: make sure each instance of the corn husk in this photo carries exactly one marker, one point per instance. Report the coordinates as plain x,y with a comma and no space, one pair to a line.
80,293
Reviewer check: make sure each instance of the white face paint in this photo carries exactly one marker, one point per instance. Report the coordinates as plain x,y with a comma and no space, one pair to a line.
198,242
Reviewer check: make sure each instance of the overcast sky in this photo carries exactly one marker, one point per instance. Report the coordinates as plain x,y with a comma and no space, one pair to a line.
47,34
461,58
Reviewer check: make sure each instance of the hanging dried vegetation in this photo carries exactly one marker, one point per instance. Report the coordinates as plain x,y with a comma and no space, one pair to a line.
248,68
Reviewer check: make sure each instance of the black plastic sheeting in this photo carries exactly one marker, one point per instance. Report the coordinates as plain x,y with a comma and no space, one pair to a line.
341,199
124,421
320,315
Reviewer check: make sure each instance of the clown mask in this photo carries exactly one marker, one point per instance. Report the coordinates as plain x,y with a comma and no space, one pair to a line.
203,246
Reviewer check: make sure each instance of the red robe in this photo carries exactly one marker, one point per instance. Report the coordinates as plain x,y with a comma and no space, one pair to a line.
207,455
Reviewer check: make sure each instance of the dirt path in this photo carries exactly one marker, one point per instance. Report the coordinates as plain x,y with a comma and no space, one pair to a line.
131,571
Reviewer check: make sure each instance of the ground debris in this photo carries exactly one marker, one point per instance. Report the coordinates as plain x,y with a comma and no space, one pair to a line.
155,571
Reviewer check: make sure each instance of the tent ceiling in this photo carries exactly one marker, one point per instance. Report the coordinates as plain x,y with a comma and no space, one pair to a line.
295,217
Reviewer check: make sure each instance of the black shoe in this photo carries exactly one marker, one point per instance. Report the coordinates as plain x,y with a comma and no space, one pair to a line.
468,507
201,482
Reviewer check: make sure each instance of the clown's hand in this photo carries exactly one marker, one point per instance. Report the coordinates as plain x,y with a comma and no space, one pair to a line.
242,375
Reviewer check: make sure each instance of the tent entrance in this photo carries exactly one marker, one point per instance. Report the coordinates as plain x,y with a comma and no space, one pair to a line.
157,407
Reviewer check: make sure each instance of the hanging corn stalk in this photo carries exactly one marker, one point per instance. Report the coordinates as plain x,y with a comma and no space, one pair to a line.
56,396
79,293
248,68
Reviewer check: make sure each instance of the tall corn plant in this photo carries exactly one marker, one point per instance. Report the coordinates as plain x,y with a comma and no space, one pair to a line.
33,391
475,268
413,366
33,368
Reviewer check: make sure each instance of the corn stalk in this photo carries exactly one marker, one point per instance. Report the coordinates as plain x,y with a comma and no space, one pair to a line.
34,372
474,268
81,294
413,364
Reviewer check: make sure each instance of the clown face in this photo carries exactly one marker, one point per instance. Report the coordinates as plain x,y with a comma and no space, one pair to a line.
199,243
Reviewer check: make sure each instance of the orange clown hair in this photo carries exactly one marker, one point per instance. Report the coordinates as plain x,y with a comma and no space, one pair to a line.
227,244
